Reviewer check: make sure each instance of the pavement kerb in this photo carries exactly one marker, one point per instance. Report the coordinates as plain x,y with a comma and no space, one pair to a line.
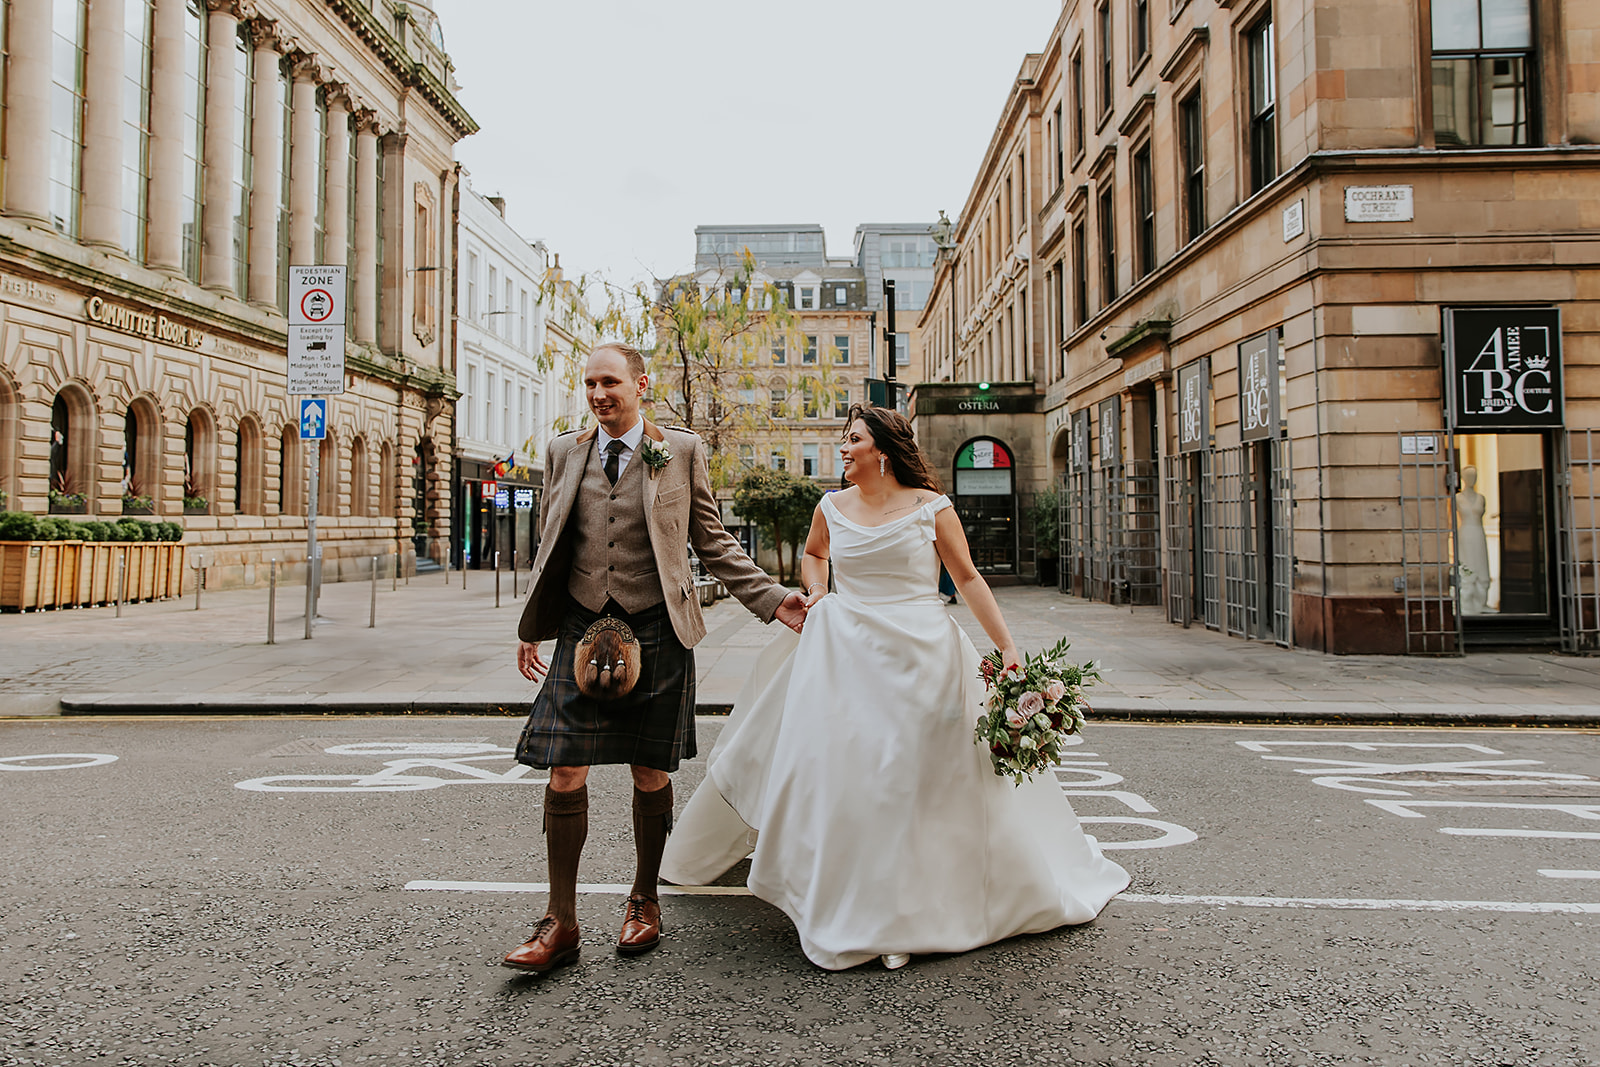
1108,709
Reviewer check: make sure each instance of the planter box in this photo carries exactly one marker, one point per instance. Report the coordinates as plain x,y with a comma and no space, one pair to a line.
58,574
68,509
138,509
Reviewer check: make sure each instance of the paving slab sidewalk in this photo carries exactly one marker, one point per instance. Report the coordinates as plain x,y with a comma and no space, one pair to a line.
438,648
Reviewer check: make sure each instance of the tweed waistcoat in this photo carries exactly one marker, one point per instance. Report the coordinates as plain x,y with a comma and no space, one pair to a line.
611,553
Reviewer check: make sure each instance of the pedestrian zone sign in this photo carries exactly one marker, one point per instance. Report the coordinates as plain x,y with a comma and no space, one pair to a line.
313,419
316,331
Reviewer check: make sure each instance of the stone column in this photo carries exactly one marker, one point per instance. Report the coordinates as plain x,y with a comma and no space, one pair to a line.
366,222
303,173
28,112
101,226
336,242
266,146
397,310
164,240
217,211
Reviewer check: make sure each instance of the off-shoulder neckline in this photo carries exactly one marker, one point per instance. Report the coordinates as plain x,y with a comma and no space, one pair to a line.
882,525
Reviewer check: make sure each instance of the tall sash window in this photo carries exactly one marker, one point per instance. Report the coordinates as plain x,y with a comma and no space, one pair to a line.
70,28
138,20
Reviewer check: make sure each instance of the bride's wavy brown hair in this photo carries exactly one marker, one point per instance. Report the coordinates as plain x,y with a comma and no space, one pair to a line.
891,433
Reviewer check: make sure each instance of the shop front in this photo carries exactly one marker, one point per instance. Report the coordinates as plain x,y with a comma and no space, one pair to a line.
981,438
1498,508
499,514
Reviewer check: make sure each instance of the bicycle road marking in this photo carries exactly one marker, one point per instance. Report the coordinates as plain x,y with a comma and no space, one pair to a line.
94,759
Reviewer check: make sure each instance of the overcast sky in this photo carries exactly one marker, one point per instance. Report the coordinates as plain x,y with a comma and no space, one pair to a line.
614,127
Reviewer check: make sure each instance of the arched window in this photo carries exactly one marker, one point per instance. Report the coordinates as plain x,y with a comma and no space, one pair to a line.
199,462
328,477
291,497
359,474
249,472
8,447
386,480
141,457
72,440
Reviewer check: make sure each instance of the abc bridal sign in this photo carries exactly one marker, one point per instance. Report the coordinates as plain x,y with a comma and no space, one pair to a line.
1503,367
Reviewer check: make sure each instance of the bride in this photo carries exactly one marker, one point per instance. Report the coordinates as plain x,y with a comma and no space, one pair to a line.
877,824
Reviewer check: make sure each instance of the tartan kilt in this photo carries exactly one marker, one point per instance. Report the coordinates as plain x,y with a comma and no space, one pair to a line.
653,726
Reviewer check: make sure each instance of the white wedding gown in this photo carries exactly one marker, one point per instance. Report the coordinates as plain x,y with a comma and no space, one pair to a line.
849,766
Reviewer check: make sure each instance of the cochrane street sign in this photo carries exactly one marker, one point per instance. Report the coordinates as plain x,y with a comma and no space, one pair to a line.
1503,367
142,323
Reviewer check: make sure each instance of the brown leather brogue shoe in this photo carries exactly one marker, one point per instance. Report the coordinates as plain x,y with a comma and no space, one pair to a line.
551,946
641,926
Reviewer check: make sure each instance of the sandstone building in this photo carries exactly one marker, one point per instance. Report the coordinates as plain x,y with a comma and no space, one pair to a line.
1294,304
165,161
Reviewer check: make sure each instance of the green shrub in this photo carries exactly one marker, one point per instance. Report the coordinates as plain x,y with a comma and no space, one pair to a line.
170,531
53,528
18,526
94,530
139,529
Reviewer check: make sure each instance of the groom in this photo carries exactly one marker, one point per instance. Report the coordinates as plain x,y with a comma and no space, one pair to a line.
621,502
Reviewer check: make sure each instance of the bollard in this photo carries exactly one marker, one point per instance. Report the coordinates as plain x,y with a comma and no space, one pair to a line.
463,570
395,573
272,603
372,613
497,579
122,569
199,577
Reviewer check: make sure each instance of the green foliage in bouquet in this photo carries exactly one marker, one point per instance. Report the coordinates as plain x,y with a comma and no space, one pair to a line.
1032,709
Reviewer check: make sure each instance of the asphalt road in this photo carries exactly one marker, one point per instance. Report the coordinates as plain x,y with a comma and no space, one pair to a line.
295,892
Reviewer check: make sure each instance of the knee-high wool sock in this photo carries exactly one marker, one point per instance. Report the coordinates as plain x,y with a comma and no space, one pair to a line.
652,820
566,827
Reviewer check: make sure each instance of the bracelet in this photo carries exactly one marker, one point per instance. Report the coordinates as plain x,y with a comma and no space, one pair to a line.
814,585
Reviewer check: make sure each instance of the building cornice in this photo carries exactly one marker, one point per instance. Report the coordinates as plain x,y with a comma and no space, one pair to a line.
411,72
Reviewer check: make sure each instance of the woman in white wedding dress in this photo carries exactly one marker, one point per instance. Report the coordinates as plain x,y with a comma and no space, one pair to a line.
849,766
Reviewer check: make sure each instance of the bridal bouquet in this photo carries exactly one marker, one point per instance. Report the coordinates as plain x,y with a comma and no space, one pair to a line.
1031,709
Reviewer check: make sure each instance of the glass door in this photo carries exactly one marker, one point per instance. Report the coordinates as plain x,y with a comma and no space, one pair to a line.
1505,536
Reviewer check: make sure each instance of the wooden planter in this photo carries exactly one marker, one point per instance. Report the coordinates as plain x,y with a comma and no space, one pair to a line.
129,508
58,574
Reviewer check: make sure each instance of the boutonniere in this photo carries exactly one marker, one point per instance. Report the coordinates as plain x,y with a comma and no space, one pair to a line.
656,456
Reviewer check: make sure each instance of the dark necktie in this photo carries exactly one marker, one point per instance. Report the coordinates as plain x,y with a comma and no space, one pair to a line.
613,454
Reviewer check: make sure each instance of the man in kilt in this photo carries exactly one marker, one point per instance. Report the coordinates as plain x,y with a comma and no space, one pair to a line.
621,502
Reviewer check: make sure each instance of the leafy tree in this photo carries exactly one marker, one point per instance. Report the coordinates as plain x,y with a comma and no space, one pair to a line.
702,339
780,504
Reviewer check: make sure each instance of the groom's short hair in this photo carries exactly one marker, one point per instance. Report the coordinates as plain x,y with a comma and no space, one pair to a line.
633,357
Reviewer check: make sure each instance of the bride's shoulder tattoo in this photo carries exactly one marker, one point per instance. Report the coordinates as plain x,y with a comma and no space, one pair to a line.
916,503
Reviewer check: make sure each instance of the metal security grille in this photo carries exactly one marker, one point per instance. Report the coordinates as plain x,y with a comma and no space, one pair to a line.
1580,542
1430,580
1141,533
1206,539
1105,535
1282,505
1239,563
1064,535
1076,559
1230,521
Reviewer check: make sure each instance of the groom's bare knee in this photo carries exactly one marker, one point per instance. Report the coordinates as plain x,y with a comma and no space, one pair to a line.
649,779
566,779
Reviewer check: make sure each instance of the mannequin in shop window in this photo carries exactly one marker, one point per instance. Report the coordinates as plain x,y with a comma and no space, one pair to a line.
1472,545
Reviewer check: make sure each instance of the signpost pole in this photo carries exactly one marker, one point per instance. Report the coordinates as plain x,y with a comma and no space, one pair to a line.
891,398
311,541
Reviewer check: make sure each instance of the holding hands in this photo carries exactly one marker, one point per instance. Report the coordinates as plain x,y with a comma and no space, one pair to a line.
792,612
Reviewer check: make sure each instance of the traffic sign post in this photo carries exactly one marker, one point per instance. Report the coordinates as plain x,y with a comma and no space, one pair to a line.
316,371
316,331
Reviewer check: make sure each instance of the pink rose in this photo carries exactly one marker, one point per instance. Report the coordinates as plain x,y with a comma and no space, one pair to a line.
1015,718
1030,704
1055,690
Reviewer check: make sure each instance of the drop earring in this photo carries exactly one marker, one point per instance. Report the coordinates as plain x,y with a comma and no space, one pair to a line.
881,459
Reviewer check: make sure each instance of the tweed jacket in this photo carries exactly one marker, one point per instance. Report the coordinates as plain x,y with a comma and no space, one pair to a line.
680,510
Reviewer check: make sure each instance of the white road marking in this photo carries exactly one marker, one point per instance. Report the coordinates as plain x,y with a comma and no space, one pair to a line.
1552,872
1334,903
1555,835
90,759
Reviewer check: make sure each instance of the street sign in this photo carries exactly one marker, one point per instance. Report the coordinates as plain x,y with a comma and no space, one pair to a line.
313,419
316,331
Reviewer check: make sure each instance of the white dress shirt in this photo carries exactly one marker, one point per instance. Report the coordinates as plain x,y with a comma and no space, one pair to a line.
630,444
